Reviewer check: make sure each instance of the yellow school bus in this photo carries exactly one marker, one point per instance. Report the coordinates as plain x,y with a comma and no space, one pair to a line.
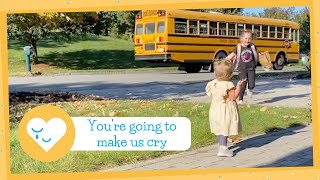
194,39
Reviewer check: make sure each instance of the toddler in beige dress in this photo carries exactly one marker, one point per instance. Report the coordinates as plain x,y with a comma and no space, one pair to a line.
223,114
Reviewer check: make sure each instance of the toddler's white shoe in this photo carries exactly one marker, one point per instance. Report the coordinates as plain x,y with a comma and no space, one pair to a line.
240,102
224,152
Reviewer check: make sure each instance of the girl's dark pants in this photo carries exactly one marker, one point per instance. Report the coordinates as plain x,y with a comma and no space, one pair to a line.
251,78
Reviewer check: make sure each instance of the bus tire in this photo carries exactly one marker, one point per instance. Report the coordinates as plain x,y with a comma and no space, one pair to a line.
220,55
193,68
280,62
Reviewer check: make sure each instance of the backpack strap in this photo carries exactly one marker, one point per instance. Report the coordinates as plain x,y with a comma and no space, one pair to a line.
238,55
255,54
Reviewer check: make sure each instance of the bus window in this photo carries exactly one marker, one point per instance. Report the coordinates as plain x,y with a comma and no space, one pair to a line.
213,28
222,29
180,26
150,28
294,35
279,32
161,26
240,29
286,33
257,30
272,32
193,27
232,29
249,27
203,27
265,31
139,29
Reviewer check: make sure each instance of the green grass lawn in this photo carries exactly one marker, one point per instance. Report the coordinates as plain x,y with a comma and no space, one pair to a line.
254,119
95,53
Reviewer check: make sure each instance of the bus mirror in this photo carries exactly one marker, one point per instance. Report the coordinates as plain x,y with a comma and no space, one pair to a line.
161,13
139,16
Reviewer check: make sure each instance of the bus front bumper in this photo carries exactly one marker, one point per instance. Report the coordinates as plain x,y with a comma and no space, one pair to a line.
155,58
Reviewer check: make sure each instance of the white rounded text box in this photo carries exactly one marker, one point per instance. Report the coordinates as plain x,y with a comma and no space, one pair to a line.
132,134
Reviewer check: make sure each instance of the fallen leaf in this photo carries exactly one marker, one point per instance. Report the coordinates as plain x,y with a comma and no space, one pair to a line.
112,113
234,139
101,104
144,105
264,109
294,117
120,114
248,106
285,117
176,114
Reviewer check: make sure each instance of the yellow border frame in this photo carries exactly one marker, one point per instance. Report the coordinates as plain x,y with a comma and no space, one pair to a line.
18,6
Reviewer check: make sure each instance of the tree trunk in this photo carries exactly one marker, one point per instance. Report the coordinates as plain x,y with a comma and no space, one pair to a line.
35,55
106,32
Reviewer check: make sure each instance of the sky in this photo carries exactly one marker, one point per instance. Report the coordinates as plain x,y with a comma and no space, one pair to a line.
258,10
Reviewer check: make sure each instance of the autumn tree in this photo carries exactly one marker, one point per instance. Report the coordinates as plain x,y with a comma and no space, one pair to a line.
305,35
279,13
119,24
33,27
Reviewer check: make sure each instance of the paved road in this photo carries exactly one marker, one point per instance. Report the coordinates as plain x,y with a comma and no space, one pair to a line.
165,86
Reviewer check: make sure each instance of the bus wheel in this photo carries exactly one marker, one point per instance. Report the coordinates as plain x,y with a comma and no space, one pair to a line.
280,62
193,68
220,55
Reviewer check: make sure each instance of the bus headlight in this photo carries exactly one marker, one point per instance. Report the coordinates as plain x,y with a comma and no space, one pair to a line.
160,49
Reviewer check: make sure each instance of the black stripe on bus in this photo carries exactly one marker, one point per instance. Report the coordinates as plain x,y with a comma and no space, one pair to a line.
198,44
193,51
186,51
201,36
216,36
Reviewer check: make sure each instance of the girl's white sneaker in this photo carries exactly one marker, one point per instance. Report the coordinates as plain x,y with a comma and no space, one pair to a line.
224,152
249,93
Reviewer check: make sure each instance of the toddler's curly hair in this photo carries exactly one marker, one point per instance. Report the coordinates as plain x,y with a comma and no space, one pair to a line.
223,69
